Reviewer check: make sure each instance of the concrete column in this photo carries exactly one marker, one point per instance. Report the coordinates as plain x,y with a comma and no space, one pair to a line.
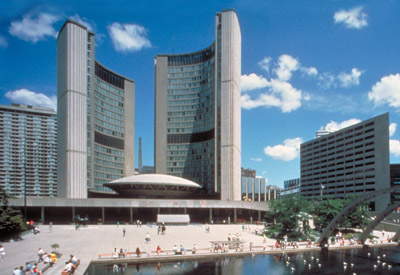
103,215
259,215
251,220
211,215
185,210
229,219
235,215
73,213
158,210
131,214
42,214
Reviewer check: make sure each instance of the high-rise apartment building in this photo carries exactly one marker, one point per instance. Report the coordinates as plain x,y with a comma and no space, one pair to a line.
353,160
197,112
96,108
28,151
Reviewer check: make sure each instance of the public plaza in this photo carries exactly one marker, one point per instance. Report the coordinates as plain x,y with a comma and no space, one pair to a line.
88,242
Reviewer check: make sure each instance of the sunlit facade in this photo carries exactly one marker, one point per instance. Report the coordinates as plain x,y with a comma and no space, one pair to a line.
95,114
198,115
28,151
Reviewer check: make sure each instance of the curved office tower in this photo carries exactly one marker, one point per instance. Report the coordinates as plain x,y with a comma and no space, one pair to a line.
198,115
95,117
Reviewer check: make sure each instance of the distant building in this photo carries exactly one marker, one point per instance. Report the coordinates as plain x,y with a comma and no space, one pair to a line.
291,187
28,151
395,180
198,114
273,192
353,160
96,112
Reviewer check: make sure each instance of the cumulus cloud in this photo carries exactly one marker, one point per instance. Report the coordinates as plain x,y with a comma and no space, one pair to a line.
386,91
350,79
128,37
394,147
34,29
392,128
84,21
289,150
3,42
265,100
256,159
335,126
253,82
28,97
352,19
286,65
265,63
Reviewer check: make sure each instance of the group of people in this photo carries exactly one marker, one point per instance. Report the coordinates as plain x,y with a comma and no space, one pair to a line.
70,265
161,229
28,269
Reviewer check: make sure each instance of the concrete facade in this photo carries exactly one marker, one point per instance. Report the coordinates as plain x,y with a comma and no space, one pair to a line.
96,108
353,160
198,114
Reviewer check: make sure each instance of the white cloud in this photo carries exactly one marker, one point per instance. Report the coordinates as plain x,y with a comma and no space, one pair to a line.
265,100
289,150
386,91
335,126
392,129
256,159
34,29
84,21
265,63
252,82
286,65
3,42
352,19
350,79
290,97
27,97
311,71
394,147
128,37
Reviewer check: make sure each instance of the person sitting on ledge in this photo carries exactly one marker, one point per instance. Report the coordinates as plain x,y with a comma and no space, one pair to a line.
138,252
194,249
69,267
158,250
175,250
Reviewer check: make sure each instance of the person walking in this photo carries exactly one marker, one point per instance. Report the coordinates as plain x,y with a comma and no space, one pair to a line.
2,252
123,232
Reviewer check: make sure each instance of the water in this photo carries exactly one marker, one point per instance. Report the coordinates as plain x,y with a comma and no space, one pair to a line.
315,262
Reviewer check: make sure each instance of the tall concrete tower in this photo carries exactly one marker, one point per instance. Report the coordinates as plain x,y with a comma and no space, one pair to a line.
198,113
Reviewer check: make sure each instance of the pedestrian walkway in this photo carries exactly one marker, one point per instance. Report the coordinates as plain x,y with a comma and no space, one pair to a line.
90,241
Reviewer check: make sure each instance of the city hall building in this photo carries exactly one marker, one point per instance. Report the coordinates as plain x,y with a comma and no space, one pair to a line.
198,113
353,160
96,112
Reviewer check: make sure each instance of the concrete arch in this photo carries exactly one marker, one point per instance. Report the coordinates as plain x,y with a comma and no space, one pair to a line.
323,240
378,219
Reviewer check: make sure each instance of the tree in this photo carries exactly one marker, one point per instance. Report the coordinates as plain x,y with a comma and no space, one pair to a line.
329,208
288,211
11,221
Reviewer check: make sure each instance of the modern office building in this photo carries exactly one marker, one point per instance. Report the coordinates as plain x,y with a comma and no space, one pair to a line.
291,187
96,108
255,189
395,180
28,151
353,160
198,114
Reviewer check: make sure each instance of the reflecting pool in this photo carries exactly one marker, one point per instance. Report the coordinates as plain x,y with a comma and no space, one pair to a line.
347,261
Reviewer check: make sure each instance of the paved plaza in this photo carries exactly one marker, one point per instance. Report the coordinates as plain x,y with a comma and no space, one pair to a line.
90,241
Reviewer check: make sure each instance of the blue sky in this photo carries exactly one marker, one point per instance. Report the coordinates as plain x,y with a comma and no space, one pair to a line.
306,65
